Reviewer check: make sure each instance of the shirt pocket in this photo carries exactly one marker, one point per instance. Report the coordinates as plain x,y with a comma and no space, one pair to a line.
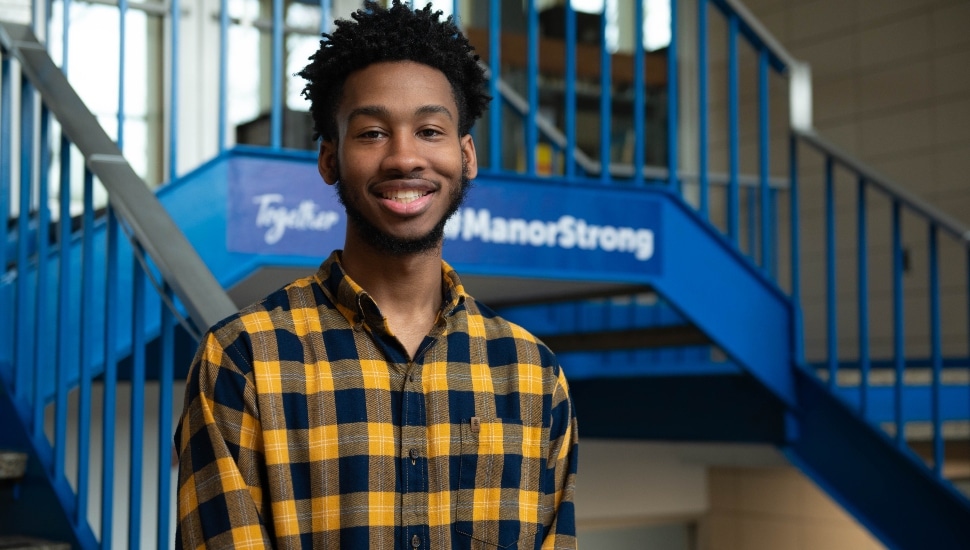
498,485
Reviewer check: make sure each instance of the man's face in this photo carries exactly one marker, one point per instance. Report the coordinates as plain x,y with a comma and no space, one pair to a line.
400,166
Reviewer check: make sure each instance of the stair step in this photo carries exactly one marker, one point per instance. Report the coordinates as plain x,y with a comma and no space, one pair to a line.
13,465
28,543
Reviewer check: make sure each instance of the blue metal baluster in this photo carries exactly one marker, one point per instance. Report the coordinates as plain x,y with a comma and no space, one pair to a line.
764,135
752,208
175,11
702,124
455,13
639,95
110,378
773,234
898,323
137,413
570,99
832,333
863,298
532,88
25,305
798,349
166,377
276,78
6,183
936,351
122,43
326,15
495,67
672,102
87,348
41,326
66,354
223,71
606,98
734,161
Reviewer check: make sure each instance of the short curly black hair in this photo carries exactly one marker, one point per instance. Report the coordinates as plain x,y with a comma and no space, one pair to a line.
392,34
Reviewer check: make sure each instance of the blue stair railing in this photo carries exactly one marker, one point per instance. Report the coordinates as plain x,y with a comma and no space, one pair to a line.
78,311
643,103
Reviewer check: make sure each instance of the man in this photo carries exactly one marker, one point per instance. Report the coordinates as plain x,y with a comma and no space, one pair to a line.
376,404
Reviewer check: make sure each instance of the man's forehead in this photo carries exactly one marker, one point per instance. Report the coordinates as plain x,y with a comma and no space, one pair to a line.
382,87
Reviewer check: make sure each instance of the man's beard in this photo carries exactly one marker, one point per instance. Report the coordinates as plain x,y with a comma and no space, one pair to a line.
401,246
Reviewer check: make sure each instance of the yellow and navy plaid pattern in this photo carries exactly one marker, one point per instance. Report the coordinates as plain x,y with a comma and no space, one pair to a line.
306,425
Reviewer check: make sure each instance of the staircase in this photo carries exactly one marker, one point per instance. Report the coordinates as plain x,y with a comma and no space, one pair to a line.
682,309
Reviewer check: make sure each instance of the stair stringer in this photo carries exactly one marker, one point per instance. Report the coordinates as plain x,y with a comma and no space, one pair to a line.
886,488
40,489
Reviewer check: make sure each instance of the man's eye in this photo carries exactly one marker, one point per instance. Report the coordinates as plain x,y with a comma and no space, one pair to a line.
372,134
430,132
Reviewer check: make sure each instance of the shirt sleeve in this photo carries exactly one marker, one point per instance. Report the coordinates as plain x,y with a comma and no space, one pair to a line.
562,467
220,498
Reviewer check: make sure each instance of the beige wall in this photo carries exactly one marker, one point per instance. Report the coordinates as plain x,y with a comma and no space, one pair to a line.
775,509
891,87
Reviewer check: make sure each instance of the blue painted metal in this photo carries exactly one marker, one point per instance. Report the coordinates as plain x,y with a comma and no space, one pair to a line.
137,412
532,88
122,48
65,33
862,290
495,69
87,349
23,340
639,95
166,376
6,186
606,97
798,341
223,72
936,350
826,424
570,91
673,91
276,79
174,15
734,133
898,322
67,356
764,138
831,307
110,379
702,93
42,313
950,402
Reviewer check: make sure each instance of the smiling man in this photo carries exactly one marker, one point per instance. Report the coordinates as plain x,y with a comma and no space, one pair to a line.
376,404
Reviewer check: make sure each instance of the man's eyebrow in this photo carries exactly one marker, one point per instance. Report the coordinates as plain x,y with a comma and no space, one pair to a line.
433,110
369,110
380,111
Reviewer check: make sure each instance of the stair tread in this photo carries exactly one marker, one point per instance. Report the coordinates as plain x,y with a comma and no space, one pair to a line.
17,543
12,465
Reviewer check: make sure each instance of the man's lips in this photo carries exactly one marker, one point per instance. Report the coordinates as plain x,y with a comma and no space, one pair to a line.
405,196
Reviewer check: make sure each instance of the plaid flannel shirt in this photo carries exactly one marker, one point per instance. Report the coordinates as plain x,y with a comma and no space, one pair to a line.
307,425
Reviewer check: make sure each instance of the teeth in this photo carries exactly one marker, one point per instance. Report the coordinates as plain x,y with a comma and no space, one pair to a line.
404,196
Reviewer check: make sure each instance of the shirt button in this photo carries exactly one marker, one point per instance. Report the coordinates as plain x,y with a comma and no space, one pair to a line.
413,453
415,541
411,377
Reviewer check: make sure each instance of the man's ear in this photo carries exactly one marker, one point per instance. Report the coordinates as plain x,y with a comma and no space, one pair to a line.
469,157
327,162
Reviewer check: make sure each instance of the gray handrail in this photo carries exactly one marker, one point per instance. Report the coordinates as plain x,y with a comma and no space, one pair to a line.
180,265
894,190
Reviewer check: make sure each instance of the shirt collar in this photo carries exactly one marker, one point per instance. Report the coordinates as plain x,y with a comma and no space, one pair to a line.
357,306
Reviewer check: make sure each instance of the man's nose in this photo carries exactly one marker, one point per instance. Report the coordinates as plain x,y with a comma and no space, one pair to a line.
404,154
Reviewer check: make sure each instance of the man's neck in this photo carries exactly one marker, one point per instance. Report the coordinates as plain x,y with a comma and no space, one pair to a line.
407,288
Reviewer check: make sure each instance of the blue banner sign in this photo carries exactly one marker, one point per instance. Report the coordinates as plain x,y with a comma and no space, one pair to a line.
285,208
